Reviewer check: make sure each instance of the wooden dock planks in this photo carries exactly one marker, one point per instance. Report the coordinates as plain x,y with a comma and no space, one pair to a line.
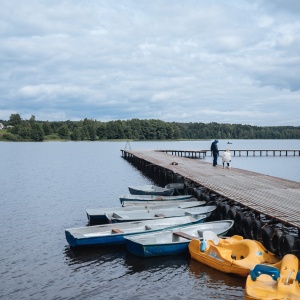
275,197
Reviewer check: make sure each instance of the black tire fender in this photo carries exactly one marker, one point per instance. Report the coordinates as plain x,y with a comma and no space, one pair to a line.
194,193
255,230
225,210
275,241
189,191
231,213
206,197
287,245
267,234
238,222
219,210
198,194
247,227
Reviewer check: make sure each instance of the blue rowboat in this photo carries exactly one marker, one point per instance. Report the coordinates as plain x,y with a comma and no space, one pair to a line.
112,234
174,241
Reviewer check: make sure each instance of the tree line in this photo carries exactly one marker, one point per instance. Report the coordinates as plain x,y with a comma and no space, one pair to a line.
17,129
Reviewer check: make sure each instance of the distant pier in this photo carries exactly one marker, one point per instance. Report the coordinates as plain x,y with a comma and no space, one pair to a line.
204,153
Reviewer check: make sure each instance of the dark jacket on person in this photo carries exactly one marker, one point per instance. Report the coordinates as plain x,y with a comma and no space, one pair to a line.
214,147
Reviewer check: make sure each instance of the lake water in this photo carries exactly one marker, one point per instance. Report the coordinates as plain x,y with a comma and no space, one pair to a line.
46,187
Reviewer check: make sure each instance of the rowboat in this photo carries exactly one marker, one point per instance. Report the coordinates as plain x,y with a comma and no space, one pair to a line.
233,255
151,214
175,186
99,215
173,242
151,190
111,234
168,203
280,281
140,198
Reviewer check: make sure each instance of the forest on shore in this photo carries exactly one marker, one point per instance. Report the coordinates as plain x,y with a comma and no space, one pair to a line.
19,130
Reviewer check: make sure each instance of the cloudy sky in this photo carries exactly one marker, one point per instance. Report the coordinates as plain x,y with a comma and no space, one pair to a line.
225,61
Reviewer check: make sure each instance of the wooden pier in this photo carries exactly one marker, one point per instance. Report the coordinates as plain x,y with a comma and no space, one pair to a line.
278,199
204,153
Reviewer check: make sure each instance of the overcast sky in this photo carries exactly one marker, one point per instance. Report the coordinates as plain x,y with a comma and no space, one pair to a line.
225,61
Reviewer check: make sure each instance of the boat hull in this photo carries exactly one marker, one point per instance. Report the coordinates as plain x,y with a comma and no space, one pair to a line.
93,241
111,234
156,250
236,256
150,198
150,190
264,286
138,215
102,215
173,242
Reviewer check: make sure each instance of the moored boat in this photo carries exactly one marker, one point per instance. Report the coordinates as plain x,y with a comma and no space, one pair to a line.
177,186
175,241
280,281
166,202
150,214
151,190
112,234
233,255
99,215
142,198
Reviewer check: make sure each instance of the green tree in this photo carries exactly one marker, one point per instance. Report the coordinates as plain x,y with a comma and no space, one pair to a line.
63,132
92,132
37,133
47,128
15,119
101,131
32,120
25,132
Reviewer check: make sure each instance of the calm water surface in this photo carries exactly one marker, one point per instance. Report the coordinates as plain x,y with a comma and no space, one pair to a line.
46,187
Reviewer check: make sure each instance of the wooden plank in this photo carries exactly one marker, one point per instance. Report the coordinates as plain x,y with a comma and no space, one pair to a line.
117,230
160,215
184,235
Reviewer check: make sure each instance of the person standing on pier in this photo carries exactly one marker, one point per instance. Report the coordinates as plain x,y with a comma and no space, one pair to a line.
215,152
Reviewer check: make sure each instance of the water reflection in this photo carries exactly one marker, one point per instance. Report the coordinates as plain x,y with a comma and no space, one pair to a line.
216,280
139,264
99,254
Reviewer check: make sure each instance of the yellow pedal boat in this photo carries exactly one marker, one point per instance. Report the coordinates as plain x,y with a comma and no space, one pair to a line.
280,281
230,255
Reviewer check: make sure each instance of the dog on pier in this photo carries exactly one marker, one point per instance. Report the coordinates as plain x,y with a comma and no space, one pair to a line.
226,159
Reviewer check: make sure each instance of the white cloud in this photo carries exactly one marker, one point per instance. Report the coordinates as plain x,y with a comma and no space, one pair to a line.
189,61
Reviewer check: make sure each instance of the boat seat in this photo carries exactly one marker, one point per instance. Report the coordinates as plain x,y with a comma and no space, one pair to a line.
184,235
160,215
211,236
200,233
115,215
117,230
264,269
